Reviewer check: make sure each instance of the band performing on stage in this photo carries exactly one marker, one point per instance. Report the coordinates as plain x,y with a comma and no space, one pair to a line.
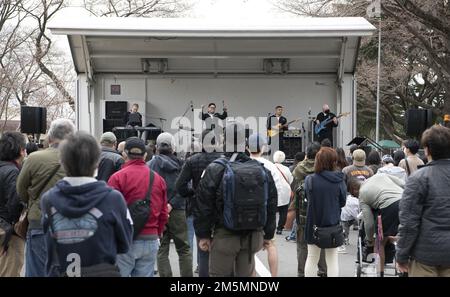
281,133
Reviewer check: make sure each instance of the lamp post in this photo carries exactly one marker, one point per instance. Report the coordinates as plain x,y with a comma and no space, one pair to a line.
374,10
377,129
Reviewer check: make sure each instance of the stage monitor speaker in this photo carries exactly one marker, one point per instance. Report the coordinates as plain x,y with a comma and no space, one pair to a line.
357,140
116,109
291,146
417,121
33,120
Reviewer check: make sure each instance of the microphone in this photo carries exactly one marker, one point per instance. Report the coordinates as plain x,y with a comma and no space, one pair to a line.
192,106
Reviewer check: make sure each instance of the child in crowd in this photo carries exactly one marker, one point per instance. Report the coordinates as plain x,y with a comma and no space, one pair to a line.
349,213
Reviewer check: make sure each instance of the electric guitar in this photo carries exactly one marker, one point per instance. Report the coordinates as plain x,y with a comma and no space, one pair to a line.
323,124
276,129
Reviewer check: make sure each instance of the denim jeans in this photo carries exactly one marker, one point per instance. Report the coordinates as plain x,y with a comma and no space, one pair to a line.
35,254
140,259
293,235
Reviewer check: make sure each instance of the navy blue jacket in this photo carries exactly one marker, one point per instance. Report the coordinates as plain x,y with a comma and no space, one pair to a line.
327,197
103,232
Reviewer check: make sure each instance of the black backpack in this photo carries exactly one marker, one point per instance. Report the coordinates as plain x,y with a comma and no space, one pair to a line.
140,209
245,194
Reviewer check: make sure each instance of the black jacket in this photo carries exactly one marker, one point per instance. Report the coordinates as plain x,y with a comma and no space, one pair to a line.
424,231
169,167
273,121
192,171
209,212
110,162
136,122
10,205
222,116
328,131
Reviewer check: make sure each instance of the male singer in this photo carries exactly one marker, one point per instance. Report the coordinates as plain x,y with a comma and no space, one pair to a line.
211,114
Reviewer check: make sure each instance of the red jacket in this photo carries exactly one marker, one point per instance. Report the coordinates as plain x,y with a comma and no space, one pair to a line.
132,181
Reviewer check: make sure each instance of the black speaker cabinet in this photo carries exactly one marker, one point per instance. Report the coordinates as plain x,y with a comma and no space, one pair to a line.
291,146
115,109
33,120
109,124
417,121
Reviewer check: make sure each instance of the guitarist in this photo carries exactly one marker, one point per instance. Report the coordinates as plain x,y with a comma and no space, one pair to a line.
328,131
276,123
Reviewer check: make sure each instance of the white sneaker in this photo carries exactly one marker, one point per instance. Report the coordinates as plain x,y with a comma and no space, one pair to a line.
341,250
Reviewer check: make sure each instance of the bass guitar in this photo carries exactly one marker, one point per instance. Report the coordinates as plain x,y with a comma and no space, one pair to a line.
323,124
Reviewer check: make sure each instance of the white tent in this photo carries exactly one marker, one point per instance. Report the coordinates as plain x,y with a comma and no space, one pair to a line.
164,64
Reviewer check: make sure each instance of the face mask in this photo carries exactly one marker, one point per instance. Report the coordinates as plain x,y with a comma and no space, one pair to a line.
327,111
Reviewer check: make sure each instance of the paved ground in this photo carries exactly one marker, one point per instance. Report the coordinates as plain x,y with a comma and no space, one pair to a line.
287,259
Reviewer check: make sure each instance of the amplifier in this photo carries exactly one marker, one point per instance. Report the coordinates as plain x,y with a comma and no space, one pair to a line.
295,133
291,146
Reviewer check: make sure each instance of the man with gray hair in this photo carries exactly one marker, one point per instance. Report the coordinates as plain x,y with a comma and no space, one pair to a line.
40,172
326,117
110,160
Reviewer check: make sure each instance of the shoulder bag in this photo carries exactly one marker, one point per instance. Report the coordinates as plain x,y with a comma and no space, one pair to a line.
324,237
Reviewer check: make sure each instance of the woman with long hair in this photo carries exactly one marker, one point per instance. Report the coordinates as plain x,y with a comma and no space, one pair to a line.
374,161
342,161
326,193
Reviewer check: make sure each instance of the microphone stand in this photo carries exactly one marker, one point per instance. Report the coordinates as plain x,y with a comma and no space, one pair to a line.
189,107
185,112
304,136
311,126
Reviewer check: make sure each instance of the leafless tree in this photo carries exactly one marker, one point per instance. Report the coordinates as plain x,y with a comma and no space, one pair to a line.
415,57
136,8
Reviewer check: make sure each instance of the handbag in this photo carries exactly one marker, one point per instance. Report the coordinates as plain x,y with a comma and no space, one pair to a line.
324,237
291,195
21,226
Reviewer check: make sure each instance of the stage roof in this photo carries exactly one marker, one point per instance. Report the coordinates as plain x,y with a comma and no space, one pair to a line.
199,46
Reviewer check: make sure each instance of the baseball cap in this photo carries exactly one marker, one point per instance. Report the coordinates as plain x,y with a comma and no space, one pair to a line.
387,159
135,146
359,157
165,138
108,137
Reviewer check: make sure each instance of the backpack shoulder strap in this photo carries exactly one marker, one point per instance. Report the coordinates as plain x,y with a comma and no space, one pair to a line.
308,186
233,157
407,166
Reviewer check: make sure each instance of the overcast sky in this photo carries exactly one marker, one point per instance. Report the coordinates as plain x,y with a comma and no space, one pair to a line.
235,9
216,9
